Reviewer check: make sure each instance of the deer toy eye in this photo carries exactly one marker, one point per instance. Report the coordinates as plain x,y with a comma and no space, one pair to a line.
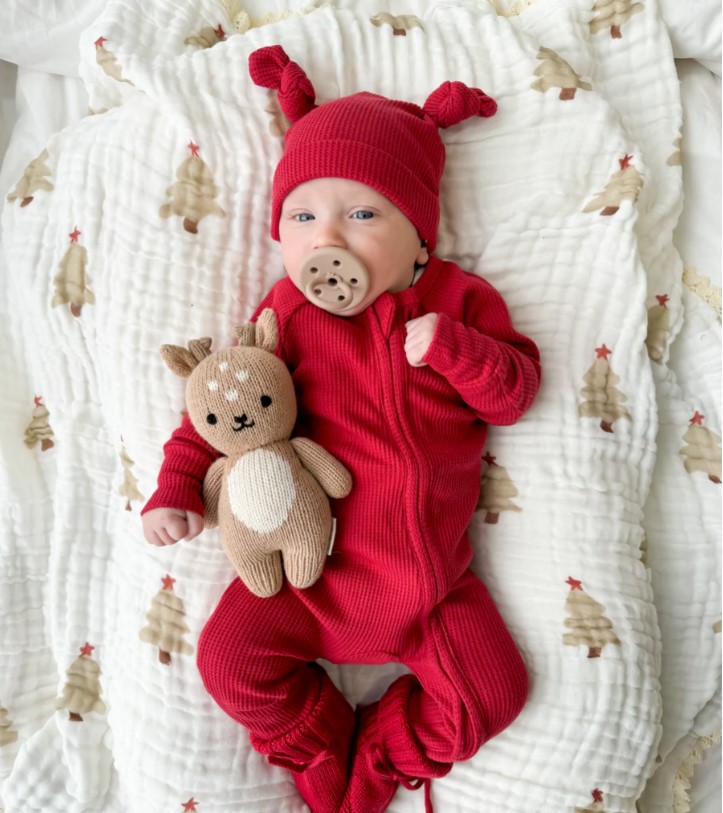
265,401
211,418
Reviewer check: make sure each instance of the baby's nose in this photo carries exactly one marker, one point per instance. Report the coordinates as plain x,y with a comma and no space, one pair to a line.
328,233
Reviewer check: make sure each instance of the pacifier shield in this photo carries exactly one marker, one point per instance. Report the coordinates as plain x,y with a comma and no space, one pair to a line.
334,279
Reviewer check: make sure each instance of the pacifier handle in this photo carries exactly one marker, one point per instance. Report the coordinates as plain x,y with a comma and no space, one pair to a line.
334,279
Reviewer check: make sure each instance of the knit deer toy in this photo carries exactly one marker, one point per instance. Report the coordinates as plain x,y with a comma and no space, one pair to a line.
268,492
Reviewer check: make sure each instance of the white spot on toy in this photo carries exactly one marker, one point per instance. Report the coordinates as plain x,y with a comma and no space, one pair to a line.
223,366
259,507
231,395
213,385
242,375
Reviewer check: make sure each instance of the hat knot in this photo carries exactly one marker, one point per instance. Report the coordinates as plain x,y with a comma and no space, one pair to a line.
270,67
453,102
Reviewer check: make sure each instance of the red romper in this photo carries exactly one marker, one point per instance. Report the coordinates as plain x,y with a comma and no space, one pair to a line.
397,586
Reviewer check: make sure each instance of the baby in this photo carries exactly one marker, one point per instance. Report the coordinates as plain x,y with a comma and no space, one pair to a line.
399,360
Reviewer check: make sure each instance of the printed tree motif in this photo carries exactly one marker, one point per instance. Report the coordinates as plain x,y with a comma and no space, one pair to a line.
166,626
597,805
703,452
658,328
207,37
554,72
70,283
496,492
39,427
590,627
193,193
625,184
676,158
7,733
602,399
400,24
107,61
612,14
34,179
190,806
81,692
718,626
129,488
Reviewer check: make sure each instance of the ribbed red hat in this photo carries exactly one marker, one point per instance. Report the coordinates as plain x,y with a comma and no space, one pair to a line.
392,146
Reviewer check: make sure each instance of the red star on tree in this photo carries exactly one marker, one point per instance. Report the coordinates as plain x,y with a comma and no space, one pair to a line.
190,805
194,148
220,33
697,418
168,582
74,235
603,352
625,162
662,299
99,42
489,459
574,583
38,400
597,795
87,649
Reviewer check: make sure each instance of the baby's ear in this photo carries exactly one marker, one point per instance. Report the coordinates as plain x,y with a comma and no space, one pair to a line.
178,359
267,330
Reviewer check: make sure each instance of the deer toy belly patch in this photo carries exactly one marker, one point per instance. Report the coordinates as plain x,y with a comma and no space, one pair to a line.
261,490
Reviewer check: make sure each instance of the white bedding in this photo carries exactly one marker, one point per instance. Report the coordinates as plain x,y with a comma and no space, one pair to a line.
48,542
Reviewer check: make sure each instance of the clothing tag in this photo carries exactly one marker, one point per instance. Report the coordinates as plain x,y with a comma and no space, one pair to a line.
333,536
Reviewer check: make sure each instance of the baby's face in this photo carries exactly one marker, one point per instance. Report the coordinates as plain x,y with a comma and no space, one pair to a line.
337,213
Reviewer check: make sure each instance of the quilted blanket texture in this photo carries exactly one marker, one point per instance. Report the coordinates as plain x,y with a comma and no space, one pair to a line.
598,529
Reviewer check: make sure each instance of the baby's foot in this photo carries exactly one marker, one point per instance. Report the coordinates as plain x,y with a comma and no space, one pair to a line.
371,787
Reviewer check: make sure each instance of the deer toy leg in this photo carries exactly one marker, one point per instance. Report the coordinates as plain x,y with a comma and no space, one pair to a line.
260,572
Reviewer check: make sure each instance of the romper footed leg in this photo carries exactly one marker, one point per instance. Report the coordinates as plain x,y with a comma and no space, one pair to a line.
469,683
256,660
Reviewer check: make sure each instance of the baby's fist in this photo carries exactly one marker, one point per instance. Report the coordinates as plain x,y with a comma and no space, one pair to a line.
420,333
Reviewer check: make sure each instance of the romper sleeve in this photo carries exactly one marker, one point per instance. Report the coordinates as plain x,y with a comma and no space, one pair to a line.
494,368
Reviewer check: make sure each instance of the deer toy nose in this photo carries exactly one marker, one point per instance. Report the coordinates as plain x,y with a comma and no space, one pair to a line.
242,419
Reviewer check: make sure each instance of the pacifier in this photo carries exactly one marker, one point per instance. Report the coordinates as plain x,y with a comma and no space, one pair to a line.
334,279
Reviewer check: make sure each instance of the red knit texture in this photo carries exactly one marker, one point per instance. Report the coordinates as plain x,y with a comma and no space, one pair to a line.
397,586
392,146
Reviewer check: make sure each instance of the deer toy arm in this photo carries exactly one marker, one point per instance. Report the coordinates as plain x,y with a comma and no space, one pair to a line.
332,476
212,492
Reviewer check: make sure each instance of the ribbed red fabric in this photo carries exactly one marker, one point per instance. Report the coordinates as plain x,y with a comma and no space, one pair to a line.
397,585
392,146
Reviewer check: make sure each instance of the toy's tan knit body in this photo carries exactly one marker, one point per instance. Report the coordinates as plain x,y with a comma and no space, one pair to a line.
268,492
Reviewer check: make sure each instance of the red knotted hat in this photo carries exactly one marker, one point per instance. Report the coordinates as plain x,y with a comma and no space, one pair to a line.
392,146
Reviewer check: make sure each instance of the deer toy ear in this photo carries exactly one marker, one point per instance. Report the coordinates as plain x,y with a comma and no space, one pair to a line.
178,359
267,330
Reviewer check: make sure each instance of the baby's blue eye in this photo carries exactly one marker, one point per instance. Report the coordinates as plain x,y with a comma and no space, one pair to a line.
303,217
363,214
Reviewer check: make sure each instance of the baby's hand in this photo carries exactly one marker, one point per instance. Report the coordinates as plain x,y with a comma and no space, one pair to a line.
420,332
165,526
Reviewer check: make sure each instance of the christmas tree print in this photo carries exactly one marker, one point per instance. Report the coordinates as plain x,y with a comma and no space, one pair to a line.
193,193
81,692
612,14
166,626
207,37
497,491
39,427
70,283
129,487
597,804
718,626
400,24
703,452
7,733
590,627
602,399
554,72
107,61
625,184
190,806
658,328
33,180
675,159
